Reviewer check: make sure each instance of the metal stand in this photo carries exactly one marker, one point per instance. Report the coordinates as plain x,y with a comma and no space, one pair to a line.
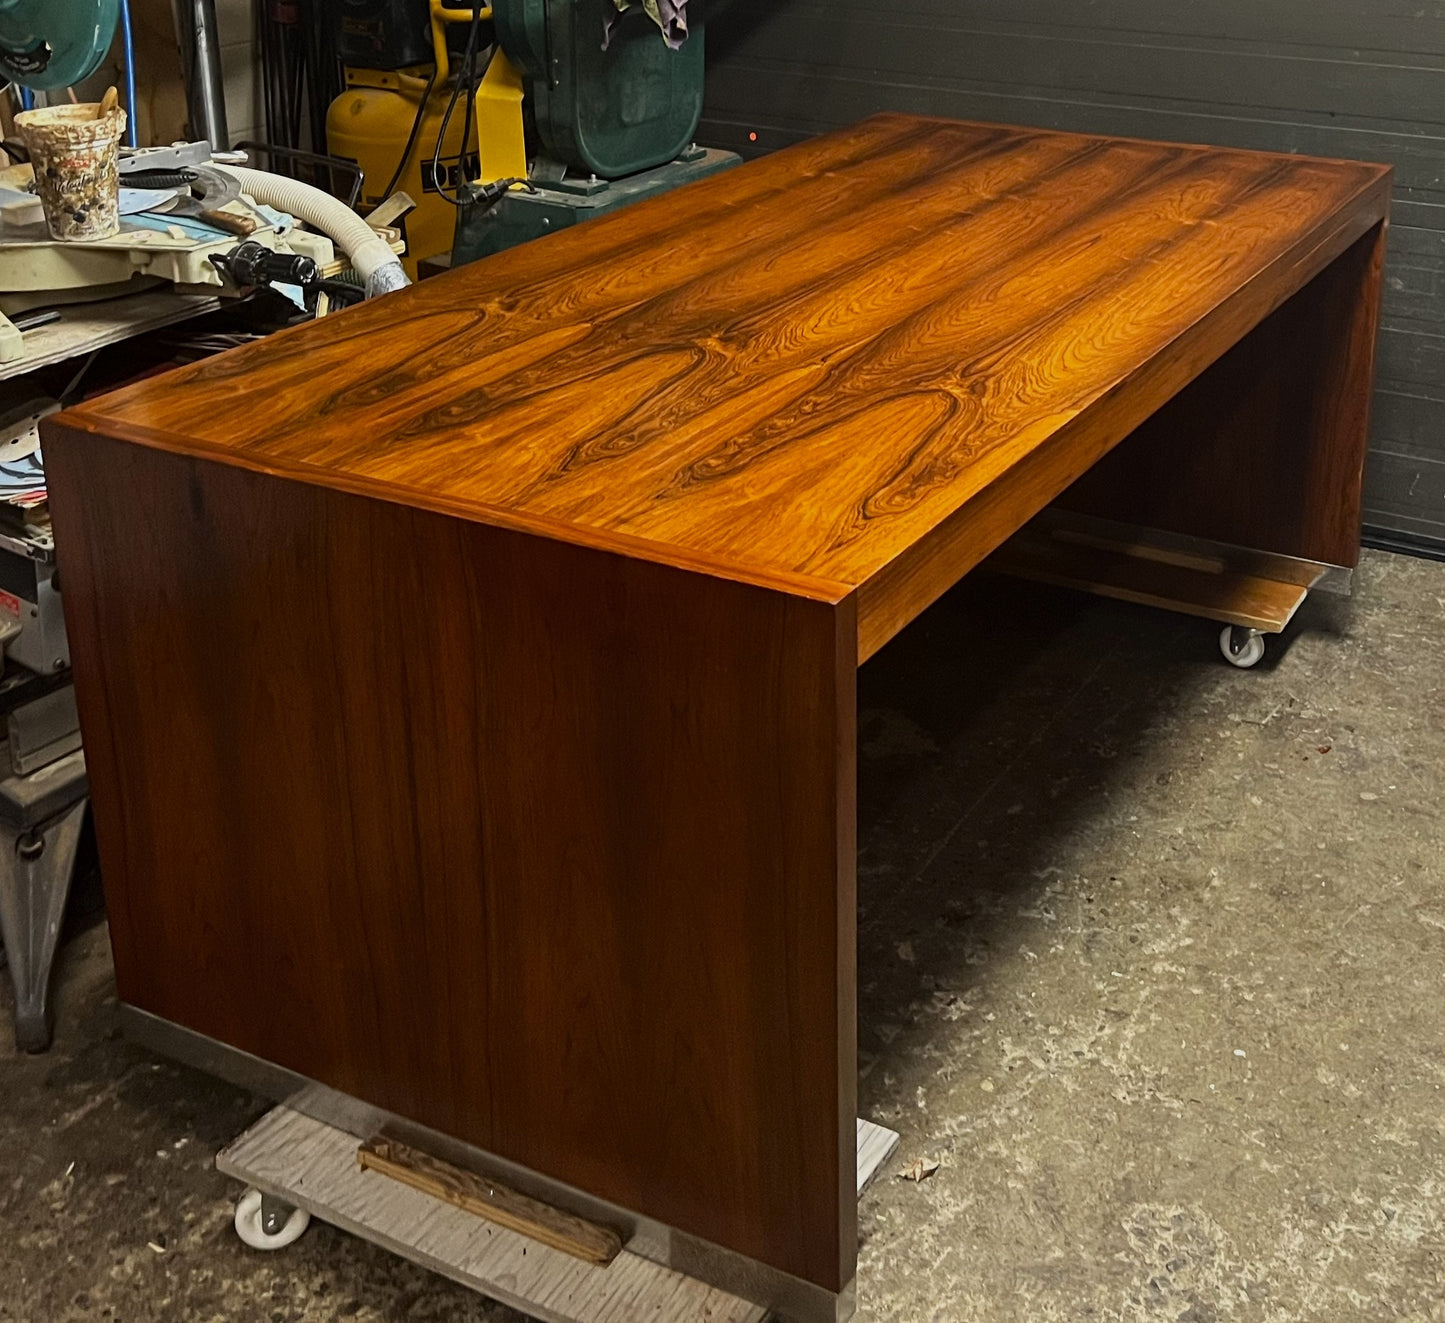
40,820
196,30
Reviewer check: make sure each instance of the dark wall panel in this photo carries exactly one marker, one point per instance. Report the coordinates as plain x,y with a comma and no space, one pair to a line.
1353,78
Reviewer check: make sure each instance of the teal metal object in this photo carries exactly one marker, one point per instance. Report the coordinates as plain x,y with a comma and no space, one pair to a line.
52,44
517,217
615,125
608,112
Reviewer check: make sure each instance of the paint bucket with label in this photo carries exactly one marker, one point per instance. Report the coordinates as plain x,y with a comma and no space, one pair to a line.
73,151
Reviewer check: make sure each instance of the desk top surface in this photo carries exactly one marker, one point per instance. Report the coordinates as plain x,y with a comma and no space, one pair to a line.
789,373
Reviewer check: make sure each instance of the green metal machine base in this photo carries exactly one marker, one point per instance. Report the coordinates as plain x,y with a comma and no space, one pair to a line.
487,228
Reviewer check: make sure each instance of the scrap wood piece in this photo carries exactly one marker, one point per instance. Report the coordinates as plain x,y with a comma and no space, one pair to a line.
487,1199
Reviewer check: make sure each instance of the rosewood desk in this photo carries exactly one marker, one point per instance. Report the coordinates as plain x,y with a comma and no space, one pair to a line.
467,680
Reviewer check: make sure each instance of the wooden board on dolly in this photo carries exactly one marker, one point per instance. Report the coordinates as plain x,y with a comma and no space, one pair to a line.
544,1262
1250,594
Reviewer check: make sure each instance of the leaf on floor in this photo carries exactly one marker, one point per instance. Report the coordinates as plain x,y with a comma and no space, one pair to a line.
920,1169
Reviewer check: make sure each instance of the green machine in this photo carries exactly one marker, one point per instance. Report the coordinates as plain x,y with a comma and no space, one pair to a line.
612,104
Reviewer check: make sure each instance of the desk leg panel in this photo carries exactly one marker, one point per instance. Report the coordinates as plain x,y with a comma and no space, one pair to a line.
545,848
1265,449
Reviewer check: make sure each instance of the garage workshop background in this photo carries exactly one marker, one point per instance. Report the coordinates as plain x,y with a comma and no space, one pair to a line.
1368,84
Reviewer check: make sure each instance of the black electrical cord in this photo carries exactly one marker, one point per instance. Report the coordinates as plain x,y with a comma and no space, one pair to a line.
323,78
486,196
412,136
268,38
472,85
342,292
258,37
286,137
299,77
300,73
465,72
451,106
463,87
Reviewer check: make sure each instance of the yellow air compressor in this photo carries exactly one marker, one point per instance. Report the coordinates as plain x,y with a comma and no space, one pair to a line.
400,80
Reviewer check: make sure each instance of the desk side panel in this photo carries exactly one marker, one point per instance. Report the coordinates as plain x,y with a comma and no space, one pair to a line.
1266,449
543,847
1193,455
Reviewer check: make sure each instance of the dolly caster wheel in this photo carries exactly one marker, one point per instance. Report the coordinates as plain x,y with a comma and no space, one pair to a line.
1241,646
265,1223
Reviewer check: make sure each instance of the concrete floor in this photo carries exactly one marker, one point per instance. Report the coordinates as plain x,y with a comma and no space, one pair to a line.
1151,960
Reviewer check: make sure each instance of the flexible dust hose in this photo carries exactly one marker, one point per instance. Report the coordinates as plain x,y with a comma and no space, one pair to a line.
371,255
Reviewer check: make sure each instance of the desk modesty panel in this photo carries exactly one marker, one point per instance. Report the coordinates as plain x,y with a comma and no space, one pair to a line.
467,679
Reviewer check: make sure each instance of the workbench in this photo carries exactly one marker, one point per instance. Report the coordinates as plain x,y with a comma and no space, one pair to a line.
468,681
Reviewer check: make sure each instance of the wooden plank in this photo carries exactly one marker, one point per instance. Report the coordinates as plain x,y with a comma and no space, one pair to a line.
1215,593
490,1199
313,1166
563,867
847,344
876,1144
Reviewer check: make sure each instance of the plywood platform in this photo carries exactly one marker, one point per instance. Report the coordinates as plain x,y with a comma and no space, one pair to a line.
1092,555
314,1166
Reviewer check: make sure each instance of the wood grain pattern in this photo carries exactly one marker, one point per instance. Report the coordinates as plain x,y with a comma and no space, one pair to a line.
832,352
313,1166
545,848
1203,477
1267,448
485,656
490,1199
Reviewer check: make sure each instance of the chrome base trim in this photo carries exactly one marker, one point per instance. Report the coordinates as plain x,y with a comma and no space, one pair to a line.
790,1298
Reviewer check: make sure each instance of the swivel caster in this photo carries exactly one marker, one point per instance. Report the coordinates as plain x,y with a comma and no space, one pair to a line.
1241,646
266,1223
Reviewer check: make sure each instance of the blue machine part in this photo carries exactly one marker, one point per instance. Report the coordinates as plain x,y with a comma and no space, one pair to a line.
53,44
